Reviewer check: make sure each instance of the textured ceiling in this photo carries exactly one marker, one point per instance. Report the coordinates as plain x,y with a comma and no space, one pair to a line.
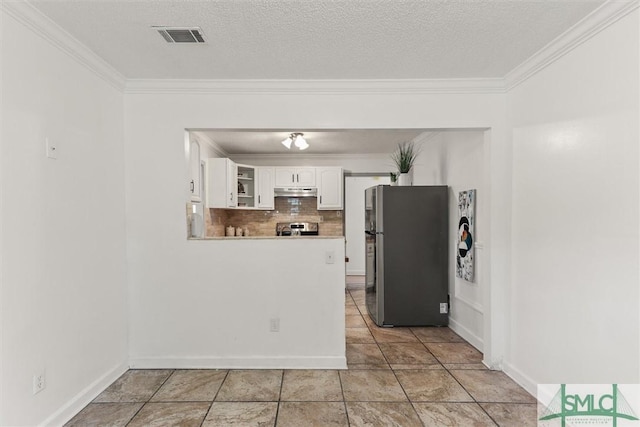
318,39
370,141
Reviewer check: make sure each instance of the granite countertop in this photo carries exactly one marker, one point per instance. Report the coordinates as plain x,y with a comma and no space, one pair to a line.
266,237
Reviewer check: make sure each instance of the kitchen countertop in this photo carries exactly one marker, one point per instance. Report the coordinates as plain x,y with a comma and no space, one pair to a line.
266,238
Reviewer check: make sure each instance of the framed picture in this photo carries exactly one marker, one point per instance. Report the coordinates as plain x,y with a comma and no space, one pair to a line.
466,230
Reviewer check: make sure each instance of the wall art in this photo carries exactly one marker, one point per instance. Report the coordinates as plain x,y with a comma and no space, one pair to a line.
466,234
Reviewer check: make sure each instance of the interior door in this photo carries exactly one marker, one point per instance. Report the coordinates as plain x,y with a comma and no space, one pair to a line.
354,225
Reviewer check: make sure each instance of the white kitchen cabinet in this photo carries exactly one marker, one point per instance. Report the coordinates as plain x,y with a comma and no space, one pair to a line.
291,177
265,184
222,183
194,172
330,188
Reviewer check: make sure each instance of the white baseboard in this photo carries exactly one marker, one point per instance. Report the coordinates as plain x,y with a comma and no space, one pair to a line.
523,380
465,333
298,362
82,399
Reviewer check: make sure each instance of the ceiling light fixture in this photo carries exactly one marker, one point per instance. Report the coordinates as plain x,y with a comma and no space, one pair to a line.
297,140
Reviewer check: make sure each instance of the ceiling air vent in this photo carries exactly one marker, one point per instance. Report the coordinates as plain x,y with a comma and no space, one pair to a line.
181,34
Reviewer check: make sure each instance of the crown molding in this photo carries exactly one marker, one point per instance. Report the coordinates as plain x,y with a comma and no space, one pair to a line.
25,13
199,136
425,137
347,86
592,24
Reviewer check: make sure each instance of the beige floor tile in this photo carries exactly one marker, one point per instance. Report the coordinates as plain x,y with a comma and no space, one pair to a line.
359,336
160,414
453,414
362,307
388,335
358,293
251,386
407,353
197,385
382,414
355,322
365,354
241,414
513,414
475,366
432,386
361,366
414,367
368,320
371,385
135,385
455,352
311,385
361,302
105,415
312,414
492,386
436,334
351,310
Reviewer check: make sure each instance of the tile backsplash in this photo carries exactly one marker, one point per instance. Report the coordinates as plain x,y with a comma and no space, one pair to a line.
263,222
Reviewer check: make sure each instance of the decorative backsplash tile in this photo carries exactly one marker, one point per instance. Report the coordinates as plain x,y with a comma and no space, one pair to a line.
263,223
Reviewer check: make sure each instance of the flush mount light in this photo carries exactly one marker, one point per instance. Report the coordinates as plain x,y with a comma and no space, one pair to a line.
296,139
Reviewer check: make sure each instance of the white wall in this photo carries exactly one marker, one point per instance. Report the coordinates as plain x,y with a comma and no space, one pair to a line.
215,310
457,159
63,290
575,297
163,276
354,226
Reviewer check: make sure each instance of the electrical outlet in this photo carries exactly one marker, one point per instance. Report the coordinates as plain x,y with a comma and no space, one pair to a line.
274,324
444,308
39,382
329,257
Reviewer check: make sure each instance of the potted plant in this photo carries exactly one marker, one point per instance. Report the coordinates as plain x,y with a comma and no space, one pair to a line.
404,158
394,178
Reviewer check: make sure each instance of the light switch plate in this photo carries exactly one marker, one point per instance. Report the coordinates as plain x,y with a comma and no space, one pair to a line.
52,149
444,309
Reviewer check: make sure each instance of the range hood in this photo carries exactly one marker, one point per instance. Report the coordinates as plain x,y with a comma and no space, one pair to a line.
296,192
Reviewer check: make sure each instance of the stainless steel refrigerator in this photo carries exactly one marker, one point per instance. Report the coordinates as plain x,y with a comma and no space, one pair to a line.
407,255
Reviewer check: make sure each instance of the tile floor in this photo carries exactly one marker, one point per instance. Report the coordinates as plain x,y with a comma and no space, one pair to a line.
396,377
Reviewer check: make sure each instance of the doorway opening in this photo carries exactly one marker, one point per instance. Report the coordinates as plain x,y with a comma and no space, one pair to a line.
354,186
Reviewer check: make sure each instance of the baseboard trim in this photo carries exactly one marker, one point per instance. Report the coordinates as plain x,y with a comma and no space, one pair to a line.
465,333
356,272
522,379
82,399
297,362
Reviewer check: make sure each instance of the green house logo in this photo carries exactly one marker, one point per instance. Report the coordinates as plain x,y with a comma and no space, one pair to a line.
583,406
